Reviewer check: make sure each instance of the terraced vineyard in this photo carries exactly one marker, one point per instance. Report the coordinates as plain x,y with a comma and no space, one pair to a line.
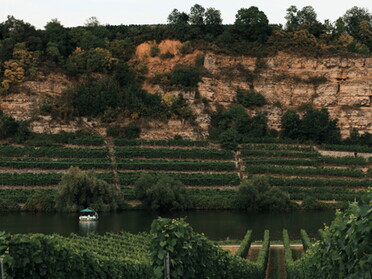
301,171
210,174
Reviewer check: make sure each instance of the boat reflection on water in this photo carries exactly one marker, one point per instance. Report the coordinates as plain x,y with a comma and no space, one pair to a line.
87,227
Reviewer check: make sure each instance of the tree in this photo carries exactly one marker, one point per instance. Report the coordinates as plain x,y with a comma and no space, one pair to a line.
291,125
258,126
161,192
197,14
213,21
256,194
213,17
229,139
78,190
176,17
56,34
250,98
352,19
252,24
318,127
306,18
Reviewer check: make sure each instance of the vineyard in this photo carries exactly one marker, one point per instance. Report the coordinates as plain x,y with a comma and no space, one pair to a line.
210,174
125,255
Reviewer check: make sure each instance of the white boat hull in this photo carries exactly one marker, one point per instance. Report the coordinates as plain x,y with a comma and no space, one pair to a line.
88,218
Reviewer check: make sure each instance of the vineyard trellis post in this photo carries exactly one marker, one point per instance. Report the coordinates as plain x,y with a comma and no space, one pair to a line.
2,268
166,267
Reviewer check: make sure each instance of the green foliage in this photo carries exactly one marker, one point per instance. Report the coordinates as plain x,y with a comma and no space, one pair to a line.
306,148
41,201
11,128
245,245
132,131
8,205
132,152
263,254
350,148
315,125
287,251
174,142
190,179
300,181
345,248
94,256
192,255
310,203
161,192
229,139
80,137
184,76
280,161
250,98
256,169
237,118
154,51
166,55
252,24
305,240
256,194
291,125
78,190
53,152
269,153
173,165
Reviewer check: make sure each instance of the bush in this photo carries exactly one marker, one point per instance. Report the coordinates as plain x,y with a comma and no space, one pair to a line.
166,55
154,51
8,205
41,201
161,192
184,76
132,131
250,98
78,190
256,194
229,139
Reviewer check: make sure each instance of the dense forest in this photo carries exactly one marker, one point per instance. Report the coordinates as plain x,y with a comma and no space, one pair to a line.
109,82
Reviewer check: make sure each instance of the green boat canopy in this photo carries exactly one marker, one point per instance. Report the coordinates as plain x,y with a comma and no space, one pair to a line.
87,210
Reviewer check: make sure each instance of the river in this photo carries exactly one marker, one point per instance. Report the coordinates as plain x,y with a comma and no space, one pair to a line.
216,225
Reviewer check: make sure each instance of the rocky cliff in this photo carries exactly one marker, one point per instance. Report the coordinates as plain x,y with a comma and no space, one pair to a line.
342,85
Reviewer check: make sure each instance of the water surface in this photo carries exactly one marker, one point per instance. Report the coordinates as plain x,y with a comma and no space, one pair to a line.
216,225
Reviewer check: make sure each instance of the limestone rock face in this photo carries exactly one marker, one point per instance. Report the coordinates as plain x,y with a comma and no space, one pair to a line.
342,85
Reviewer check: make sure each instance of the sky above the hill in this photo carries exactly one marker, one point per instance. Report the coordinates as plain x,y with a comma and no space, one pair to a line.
74,13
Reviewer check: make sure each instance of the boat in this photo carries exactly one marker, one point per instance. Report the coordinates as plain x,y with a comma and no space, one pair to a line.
88,214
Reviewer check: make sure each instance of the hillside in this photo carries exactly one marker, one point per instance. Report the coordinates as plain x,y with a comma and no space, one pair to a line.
342,85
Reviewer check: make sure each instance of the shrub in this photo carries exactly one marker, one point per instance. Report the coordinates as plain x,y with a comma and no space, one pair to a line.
229,139
186,48
154,51
250,98
256,194
161,192
166,55
131,131
78,190
40,201
7,205
185,76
